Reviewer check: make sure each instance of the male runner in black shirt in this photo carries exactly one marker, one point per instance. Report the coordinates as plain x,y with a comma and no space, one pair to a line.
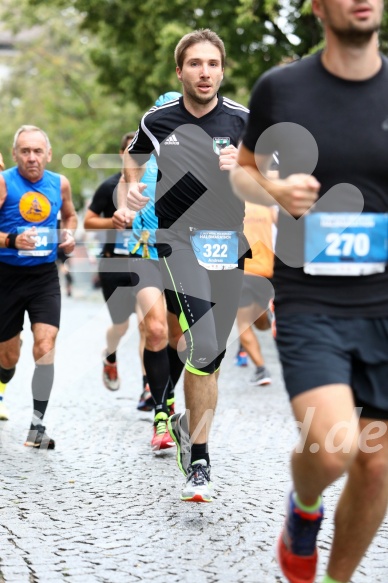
200,239
116,282
327,115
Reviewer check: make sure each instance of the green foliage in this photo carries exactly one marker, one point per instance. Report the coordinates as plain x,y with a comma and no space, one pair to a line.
384,34
133,42
95,65
53,84
135,55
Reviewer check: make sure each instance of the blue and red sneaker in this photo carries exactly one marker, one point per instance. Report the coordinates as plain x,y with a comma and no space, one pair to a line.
241,358
297,548
146,402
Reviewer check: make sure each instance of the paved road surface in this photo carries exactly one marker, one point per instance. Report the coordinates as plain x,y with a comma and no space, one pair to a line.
103,508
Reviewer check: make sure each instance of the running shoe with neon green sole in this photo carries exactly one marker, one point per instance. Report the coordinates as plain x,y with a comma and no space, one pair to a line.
171,406
179,431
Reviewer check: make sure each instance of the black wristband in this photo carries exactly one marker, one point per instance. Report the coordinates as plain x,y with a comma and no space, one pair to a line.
10,240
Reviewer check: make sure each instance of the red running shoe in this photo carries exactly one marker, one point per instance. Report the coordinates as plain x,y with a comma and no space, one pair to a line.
161,438
110,375
297,550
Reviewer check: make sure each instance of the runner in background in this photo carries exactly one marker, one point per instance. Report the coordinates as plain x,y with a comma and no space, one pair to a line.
162,362
4,414
257,291
30,199
115,279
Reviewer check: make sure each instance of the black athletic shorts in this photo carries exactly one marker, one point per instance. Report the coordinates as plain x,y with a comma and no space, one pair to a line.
121,280
255,290
116,285
205,301
318,350
34,290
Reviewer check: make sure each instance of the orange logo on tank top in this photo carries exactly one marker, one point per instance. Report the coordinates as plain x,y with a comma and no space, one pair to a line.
34,207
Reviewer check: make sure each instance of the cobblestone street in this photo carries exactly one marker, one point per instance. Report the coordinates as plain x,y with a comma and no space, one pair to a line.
103,508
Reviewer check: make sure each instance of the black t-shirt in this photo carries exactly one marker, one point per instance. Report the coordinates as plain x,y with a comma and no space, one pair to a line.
191,188
104,203
348,121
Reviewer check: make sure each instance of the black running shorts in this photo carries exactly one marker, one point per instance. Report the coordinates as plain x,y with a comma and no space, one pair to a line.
121,280
318,350
255,290
116,285
34,290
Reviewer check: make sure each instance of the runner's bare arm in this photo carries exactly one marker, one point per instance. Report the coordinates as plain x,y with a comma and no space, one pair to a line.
68,217
132,172
3,196
295,194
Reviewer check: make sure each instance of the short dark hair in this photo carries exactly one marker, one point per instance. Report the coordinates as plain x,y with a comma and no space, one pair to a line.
124,140
198,36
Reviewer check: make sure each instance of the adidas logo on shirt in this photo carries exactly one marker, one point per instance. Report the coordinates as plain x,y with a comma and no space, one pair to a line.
172,141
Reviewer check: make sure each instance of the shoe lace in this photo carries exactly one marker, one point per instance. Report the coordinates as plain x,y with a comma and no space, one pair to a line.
111,371
161,427
303,533
198,475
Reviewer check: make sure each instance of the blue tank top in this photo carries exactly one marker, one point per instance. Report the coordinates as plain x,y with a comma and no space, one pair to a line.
31,204
146,219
